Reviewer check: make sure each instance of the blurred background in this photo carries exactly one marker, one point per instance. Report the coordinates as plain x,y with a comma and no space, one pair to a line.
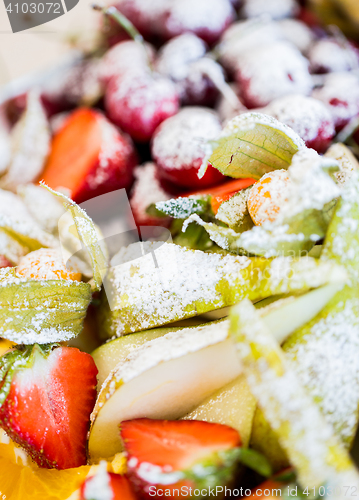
43,46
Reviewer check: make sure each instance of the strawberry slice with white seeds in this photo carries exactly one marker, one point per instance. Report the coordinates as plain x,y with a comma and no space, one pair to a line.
47,394
179,453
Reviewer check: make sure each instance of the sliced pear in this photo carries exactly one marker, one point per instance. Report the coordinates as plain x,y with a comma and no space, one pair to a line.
308,439
170,376
165,378
170,283
108,355
287,315
232,405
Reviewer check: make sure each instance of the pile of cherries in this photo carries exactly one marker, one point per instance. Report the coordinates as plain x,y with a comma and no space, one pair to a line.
202,63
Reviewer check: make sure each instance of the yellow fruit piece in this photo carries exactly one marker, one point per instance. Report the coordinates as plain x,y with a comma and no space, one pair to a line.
5,345
267,196
46,263
21,479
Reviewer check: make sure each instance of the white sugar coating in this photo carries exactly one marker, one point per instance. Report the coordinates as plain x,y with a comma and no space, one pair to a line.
115,149
44,263
15,217
247,121
163,288
244,36
276,9
347,162
341,93
329,55
298,33
125,56
326,360
146,189
208,15
272,71
45,208
143,92
175,56
310,441
226,110
78,84
30,144
171,346
305,115
265,199
98,486
310,188
181,59
181,140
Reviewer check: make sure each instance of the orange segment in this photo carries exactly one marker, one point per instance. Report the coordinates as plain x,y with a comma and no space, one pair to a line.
267,196
29,482
46,264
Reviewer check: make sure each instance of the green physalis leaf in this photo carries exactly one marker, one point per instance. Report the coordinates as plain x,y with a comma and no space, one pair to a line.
302,220
41,311
181,208
20,233
253,144
90,237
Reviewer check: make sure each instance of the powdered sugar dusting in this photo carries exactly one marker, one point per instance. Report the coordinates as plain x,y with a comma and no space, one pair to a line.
170,346
179,283
297,33
329,55
272,71
146,190
181,140
98,487
305,115
341,93
277,9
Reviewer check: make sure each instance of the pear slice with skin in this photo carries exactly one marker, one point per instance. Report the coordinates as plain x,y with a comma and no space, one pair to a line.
171,375
309,440
232,405
177,283
165,378
108,355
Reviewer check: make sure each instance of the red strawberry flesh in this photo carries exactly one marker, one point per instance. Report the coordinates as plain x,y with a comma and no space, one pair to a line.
176,444
47,410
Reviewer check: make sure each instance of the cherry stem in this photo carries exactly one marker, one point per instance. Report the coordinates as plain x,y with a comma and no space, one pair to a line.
126,24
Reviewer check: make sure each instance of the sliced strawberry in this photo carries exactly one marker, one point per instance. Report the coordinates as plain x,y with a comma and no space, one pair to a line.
162,452
109,485
89,156
220,194
49,394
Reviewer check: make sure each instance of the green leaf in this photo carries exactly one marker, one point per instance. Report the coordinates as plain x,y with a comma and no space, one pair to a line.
41,311
90,237
181,208
302,220
253,144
